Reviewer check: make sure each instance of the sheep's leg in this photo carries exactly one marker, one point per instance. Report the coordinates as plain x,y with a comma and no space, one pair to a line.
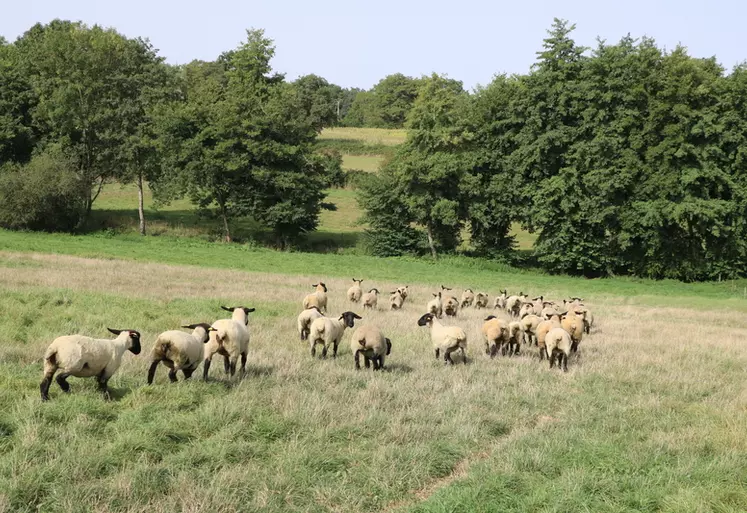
551,356
357,358
313,348
438,353
243,363
44,385
564,358
187,373
172,376
367,361
62,381
206,368
103,386
464,356
493,350
376,363
542,353
505,348
152,371
574,346
381,362
232,366
516,349
227,364
324,351
334,348
447,356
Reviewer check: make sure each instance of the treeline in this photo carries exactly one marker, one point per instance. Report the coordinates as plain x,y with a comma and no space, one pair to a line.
81,106
624,159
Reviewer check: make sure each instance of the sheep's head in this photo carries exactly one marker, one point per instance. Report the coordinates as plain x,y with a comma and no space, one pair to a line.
134,339
320,287
349,318
444,287
388,346
375,291
357,281
425,319
205,326
437,295
468,291
403,291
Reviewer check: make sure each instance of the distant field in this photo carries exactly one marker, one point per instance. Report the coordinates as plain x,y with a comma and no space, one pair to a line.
386,137
369,163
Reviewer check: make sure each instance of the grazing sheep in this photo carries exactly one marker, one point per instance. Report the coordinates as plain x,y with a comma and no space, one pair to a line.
305,319
513,304
558,345
179,351
481,300
355,292
317,298
500,300
446,338
396,300
435,306
468,297
515,337
84,357
573,323
369,342
329,331
230,340
371,299
451,306
496,335
552,320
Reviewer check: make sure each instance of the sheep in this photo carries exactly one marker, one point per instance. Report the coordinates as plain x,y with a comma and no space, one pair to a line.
500,301
515,336
404,291
468,297
548,308
529,325
526,309
552,320
317,298
179,351
83,357
329,331
371,299
230,340
588,319
573,323
448,338
481,300
435,306
355,292
451,306
369,342
513,304
538,304
558,345
305,319
496,335
396,300
444,288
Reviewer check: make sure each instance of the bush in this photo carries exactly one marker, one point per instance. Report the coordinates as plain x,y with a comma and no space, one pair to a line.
44,195
328,162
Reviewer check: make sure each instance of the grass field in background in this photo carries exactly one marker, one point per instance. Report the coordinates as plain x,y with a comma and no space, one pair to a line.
373,136
651,416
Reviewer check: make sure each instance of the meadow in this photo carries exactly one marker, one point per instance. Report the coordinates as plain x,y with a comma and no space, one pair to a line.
652,415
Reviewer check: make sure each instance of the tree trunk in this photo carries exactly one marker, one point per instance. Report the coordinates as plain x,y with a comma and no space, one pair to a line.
140,209
429,231
225,222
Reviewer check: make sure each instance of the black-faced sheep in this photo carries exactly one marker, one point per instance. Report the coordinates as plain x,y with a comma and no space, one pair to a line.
329,331
369,342
179,351
445,338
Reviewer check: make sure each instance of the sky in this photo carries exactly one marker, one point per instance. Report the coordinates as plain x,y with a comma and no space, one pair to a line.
355,44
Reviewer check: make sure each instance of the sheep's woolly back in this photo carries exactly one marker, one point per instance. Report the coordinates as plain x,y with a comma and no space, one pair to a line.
185,350
82,356
444,337
544,327
558,338
305,319
231,335
369,340
317,299
355,292
435,306
468,297
370,300
396,300
495,331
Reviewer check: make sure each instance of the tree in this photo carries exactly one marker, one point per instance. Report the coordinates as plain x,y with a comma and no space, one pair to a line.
394,96
17,137
319,100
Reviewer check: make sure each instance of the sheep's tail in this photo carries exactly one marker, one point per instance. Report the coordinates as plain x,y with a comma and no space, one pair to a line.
160,348
50,361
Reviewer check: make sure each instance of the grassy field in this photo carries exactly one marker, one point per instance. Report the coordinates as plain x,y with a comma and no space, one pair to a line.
371,136
651,416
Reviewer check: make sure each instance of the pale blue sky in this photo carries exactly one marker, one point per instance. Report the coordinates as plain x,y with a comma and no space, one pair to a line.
357,43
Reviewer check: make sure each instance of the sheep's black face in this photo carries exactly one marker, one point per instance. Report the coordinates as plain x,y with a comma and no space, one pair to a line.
349,318
425,319
135,338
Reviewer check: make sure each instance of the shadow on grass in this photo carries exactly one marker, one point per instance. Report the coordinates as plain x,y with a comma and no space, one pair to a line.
398,368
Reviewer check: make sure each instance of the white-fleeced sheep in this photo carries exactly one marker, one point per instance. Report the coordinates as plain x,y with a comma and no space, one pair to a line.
318,298
500,300
179,351
481,300
435,306
588,319
552,320
451,306
468,297
515,337
529,325
371,299
305,319
548,308
573,323
372,344
445,338
84,357
513,304
404,291
558,345
538,303
495,334
355,292
229,339
396,300
526,309
328,331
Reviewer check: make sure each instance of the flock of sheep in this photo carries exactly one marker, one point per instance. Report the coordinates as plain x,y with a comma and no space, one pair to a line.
555,329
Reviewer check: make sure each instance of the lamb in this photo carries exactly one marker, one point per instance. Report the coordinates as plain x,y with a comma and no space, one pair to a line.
371,299
305,319
396,300
451,306
481,300
329,331
355,292
515,337
230,340
435,306
529,325
500,301
446,338
468,297
552,320
558,345
496,335
573,323
179,351
513,304
369,342
317,298
83,357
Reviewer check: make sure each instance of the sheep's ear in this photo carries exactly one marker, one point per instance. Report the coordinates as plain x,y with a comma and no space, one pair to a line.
314,285
248,310
489,317
116,332
356,316
435,295
227,309
190,326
